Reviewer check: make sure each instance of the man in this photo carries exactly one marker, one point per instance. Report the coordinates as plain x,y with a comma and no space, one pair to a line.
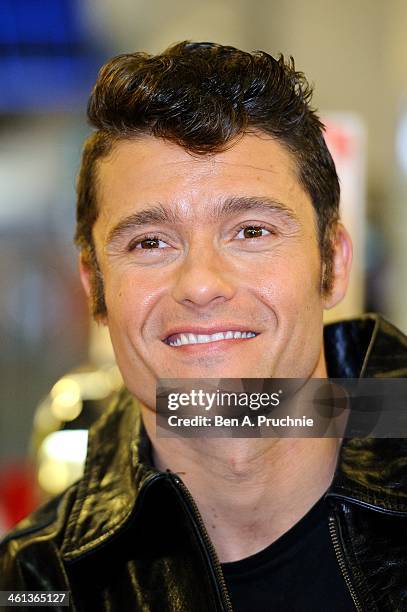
210,246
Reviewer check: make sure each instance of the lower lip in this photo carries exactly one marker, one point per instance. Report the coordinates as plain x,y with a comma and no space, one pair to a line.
209,346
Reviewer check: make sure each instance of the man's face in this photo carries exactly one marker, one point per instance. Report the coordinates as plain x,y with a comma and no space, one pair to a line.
194,250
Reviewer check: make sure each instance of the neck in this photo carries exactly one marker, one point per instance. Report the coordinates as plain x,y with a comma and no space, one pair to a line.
248,491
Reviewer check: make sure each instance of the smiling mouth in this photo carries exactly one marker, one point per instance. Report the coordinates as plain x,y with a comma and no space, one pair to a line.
184,339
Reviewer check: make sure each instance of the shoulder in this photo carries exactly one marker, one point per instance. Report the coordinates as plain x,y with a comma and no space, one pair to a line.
36,539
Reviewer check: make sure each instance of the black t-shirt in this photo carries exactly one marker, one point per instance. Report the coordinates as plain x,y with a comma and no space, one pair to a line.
298,572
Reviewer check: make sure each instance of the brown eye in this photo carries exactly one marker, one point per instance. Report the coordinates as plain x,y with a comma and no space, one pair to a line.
252,231
149,243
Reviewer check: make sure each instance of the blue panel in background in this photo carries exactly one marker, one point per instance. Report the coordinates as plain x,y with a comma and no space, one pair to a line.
46,59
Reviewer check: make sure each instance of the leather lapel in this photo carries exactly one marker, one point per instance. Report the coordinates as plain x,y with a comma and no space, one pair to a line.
370,471
117,466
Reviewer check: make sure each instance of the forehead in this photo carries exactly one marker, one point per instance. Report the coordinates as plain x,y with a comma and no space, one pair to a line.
150,171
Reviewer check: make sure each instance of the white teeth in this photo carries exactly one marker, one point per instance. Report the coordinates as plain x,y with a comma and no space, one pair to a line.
189,338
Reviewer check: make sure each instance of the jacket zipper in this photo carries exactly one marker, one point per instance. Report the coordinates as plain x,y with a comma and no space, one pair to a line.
215,564
208,547
341,561
337,545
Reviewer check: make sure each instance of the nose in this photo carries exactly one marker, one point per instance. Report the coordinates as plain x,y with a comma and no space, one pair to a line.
203,278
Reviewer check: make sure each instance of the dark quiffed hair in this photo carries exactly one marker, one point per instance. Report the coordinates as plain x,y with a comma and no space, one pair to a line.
202,96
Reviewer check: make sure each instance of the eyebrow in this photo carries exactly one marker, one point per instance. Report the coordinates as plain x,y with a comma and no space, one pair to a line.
160,214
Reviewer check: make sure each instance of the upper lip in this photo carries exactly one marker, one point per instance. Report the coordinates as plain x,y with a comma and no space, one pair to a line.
213,329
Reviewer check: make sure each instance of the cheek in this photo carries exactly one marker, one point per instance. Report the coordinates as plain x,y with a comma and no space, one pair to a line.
131,298
289,281
121,302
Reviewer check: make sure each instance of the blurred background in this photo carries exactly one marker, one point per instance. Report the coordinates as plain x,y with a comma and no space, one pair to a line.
56,370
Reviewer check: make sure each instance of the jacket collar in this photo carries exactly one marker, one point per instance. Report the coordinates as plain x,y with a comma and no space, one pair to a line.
118,463
370,471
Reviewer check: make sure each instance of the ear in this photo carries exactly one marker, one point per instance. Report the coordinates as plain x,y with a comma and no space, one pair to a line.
85,274
89,283
342,261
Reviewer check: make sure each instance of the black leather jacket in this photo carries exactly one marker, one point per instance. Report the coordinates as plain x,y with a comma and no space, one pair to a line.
127,537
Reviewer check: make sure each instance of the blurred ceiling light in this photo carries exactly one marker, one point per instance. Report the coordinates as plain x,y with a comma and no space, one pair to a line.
66,399
66,445
44,419
61,459
92,385
53,477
